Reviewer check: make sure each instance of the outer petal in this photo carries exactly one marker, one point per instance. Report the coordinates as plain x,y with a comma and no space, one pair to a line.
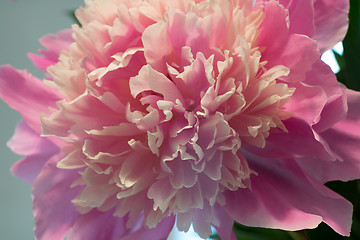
97,225
295,51
307,103
282,196
301,16
52,194
26,94
26,141
300,141
55,43
335,108
160,232
343,139
331,22
224,230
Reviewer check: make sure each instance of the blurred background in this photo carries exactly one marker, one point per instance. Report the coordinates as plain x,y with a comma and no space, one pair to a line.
23,22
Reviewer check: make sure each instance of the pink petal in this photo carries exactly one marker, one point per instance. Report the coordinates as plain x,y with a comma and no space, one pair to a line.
52,207
224,230
343,139
282,196
301,15
54,43
97,225
149,79
161,231
28,168
300,141
26,141
335,108
26,94
295,51
307,103
164,40
81,115
331,22
297,11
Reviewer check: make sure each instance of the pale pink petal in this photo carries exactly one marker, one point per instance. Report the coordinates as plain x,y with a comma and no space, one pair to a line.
26,94
81,115
331,22
52,207
164,41
282,196
149,79
54,44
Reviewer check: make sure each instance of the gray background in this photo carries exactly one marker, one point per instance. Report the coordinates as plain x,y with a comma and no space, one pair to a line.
22,23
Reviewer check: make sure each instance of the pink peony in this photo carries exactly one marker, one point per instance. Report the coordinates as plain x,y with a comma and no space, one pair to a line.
207,111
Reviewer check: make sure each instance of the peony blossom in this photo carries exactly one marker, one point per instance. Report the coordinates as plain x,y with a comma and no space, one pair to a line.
205,111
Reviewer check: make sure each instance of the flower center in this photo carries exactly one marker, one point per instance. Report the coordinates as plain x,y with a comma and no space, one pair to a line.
156,109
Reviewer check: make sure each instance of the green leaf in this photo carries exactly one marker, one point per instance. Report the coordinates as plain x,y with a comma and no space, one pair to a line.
350,61
253,233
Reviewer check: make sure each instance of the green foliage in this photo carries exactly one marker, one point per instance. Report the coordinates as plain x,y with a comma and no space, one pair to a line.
349,62
253,233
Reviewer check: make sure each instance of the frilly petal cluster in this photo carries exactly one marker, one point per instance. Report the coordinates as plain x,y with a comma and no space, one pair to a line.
204,111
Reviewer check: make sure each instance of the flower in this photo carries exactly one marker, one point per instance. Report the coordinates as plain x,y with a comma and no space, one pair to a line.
207,111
